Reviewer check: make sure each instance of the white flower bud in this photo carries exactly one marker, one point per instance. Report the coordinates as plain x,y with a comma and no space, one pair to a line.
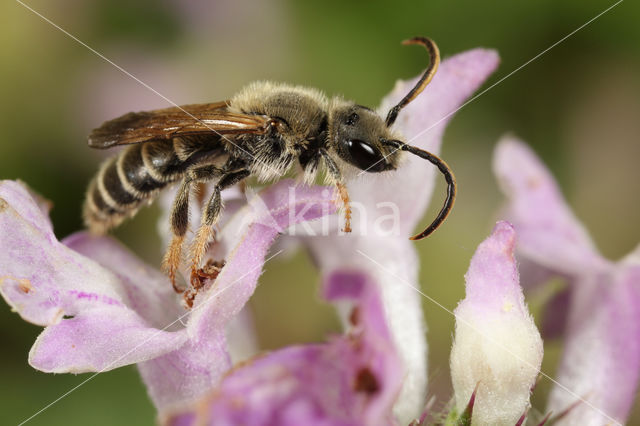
497,345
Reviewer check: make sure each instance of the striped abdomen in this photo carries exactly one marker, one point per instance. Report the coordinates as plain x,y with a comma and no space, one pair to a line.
134,177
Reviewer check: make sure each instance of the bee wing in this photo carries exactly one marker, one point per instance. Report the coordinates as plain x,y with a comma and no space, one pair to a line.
138,127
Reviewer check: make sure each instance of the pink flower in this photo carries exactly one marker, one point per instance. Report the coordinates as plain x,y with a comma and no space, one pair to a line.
103,308
598,313
352,379
381,250
497,351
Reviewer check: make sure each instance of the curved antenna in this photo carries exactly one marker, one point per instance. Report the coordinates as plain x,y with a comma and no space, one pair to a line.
448,175
434,55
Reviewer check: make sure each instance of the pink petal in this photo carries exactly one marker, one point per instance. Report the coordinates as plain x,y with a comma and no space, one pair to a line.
91,325
29,204
601,360
401,197
98,319
394,263
100,339
194,369
28,240
242,340
148,292
350,380
599,371
492,278
187,373
220,306
548,232
497,351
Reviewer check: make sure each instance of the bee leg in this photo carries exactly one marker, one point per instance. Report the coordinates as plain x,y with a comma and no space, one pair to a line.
336,179
179,219
344,197
210,216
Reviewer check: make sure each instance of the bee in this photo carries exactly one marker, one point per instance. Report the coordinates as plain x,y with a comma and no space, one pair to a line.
262,131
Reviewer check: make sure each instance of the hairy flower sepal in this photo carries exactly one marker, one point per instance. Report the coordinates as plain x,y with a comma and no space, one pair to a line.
497,348
103,308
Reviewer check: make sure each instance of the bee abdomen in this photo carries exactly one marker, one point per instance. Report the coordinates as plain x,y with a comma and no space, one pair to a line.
127,181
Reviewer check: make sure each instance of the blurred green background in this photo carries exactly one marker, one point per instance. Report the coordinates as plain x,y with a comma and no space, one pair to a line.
578,105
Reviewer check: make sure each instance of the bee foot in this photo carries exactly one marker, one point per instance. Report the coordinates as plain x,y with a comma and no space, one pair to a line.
209,271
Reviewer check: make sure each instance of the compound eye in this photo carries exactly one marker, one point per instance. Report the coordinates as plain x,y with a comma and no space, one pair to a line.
365,156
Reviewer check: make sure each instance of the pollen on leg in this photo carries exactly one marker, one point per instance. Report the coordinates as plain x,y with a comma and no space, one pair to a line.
344,197
171,260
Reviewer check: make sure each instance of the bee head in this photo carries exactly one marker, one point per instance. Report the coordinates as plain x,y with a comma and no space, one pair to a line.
357,134
362,138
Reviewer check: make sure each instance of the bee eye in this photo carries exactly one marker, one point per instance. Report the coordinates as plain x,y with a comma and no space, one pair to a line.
352,119
365,156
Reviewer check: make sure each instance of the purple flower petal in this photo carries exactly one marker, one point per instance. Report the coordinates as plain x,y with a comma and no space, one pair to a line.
497,348
109,309
600,367
350,380
548,232
28,240
195,368
220,306
492,278
100,339
601,360
148,291
187,373
242,340
46,282
394,263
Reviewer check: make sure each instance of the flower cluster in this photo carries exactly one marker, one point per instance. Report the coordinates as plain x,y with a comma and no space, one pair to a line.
597,314
103,308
